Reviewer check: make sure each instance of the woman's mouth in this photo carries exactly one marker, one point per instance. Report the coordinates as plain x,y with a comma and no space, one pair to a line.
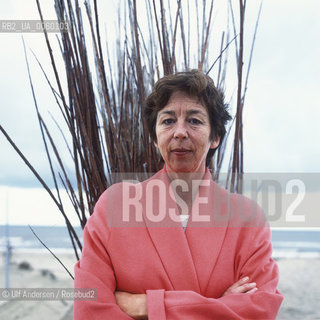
180,151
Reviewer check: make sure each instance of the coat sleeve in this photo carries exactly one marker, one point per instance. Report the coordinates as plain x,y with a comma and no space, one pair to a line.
253,261
94,270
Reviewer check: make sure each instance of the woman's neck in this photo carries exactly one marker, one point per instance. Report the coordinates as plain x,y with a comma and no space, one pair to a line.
185,187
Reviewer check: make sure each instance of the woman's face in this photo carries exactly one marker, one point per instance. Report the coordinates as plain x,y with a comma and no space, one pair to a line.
183,134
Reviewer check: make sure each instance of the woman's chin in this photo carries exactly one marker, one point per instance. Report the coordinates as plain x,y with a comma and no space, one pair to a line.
182,168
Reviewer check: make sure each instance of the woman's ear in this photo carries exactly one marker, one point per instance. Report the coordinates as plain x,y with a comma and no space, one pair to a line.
214,144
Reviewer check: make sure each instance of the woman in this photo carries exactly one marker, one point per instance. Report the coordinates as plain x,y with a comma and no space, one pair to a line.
178,246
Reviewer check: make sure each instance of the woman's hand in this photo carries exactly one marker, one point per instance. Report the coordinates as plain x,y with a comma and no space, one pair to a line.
134,305
241,286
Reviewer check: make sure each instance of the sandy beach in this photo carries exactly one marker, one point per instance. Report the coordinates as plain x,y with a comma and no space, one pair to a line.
299,283
37,270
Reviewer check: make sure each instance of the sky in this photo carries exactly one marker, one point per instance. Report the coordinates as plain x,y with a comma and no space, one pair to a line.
281,116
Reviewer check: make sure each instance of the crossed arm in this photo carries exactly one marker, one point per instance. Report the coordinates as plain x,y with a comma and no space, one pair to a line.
135,305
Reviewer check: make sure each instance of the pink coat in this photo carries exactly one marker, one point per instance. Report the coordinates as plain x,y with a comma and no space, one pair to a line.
183,274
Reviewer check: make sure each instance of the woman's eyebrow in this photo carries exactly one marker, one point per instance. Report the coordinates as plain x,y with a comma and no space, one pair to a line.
168,112
189,112
194,111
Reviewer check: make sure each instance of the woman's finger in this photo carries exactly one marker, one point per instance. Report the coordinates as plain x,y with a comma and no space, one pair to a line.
245,288
252,290
241,286
239,283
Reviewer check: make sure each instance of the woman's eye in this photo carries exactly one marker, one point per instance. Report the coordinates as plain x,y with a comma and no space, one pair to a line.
195,121
168,121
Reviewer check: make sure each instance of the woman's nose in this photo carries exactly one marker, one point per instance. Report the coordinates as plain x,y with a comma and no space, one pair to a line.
180,131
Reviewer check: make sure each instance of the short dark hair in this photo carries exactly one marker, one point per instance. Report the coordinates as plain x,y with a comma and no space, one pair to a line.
196,84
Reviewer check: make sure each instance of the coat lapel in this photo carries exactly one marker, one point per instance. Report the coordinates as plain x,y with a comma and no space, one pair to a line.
205,238
166,232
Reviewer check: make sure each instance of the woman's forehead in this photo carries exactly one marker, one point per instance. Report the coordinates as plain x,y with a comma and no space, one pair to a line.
183,96
183,103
